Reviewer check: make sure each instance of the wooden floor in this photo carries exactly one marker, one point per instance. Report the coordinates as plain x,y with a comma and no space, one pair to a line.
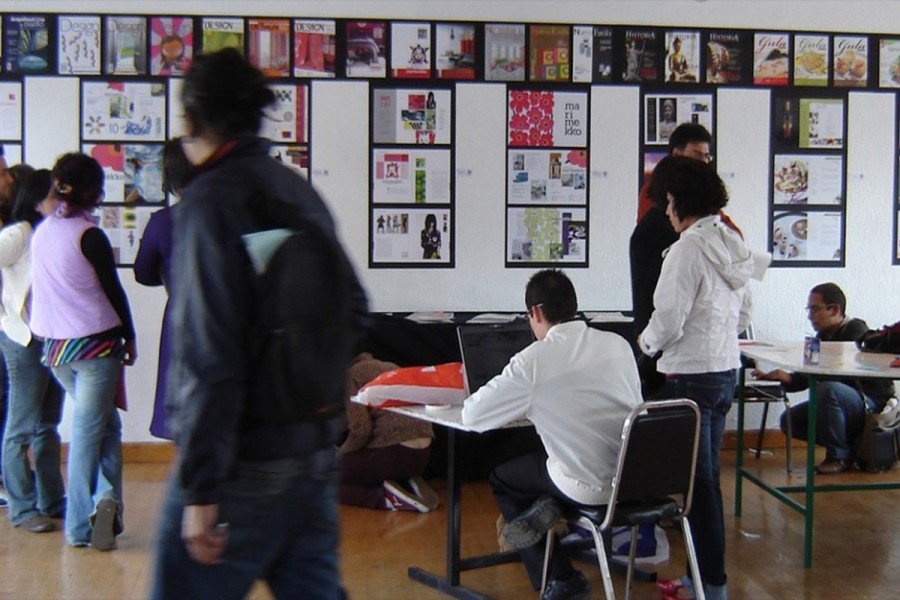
856,552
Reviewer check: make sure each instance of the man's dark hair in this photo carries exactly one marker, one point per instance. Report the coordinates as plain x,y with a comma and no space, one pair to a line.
553,290
176,167
31,192
224,93
686,133
696,188
832,295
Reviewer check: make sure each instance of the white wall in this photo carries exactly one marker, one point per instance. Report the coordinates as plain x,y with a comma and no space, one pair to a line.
479,281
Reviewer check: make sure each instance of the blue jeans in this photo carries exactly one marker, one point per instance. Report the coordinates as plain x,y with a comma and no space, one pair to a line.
713,393
95,450
283,527
34,410
840,417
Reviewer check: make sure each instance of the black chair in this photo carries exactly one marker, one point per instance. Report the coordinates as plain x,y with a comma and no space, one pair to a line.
654,480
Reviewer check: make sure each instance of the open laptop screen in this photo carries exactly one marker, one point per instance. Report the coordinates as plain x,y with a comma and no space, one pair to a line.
486,349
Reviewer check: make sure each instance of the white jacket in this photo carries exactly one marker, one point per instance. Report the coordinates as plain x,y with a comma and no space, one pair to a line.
15,266
576,386
702,300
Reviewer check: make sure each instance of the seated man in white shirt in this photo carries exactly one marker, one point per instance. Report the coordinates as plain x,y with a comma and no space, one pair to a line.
576,385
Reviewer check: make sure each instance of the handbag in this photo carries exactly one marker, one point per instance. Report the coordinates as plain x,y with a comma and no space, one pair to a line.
886,340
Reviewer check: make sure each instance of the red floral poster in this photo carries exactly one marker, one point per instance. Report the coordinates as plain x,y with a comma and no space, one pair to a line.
546,118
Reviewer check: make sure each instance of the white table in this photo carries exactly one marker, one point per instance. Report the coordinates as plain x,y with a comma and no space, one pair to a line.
837,360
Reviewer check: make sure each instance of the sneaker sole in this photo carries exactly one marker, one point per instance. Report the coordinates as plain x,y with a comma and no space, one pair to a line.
524,532
404,495
102,536
423,490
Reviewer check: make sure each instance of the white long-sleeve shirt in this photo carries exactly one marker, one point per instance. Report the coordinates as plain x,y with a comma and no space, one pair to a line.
576,386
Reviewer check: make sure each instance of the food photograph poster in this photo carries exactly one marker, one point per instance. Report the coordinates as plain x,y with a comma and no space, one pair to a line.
123,111
807,236
546,235
808,179
419,236
547,177
413,176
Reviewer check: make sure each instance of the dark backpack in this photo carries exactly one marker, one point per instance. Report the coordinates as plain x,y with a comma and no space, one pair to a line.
886,339
303,331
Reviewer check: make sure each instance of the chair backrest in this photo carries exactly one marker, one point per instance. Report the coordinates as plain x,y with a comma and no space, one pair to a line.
658,455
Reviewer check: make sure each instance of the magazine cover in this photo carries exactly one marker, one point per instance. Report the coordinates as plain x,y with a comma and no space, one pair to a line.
811,55
770,58
603,54
10,112
547,118
546,235
269,44
582,53
119,111
403,116
79,45
366,43
724,57
455,50
889,63
641,55
411,176
125,45
851,61
314,47
663,113
549,53
124,226
807,236
504,52
411,235
411,50
26,44
171,45
219,33
285,121
134,172
547,177
682,56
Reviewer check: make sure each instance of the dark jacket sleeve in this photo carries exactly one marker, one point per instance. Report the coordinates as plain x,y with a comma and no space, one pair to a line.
148,264
97,250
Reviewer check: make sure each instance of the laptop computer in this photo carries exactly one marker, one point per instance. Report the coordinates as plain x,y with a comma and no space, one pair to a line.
487,348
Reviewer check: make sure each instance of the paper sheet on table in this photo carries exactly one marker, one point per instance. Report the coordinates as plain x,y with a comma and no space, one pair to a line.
434,316
493,318
607,317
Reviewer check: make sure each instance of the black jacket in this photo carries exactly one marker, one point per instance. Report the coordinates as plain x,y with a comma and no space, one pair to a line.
212,312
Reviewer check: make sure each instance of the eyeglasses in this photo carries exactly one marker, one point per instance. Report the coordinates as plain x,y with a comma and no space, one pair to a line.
813,308
531,308
704,156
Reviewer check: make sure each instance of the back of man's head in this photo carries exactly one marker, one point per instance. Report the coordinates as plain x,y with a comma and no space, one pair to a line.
686,133
553,290
832,295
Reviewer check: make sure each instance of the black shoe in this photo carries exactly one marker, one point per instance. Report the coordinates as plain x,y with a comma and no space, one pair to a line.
575,587
529,528
833,466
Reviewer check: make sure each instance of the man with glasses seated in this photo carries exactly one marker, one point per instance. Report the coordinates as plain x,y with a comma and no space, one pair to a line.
841,403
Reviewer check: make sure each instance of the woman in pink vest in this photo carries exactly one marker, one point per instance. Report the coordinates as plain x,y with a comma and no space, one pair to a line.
81,312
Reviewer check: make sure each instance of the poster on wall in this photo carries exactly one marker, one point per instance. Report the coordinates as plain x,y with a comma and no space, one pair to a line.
123,111
504,52
125,45
10,110
546,235
285,120
821,123
134,172
171,45
807,236
365,51
124,226
411,50
682,56
547,177
651,159
411,116
640,53
219,33
314,48
725,57
582,53
455,50
664,112
808,179
269,46
26,44
79,45
851,61
13,153
411,176
549,53
889,63
411,236
547,118
811,60
771,52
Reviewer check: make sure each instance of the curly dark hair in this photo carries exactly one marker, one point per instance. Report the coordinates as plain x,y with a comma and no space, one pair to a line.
694,185
553,290
78,181
225,94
